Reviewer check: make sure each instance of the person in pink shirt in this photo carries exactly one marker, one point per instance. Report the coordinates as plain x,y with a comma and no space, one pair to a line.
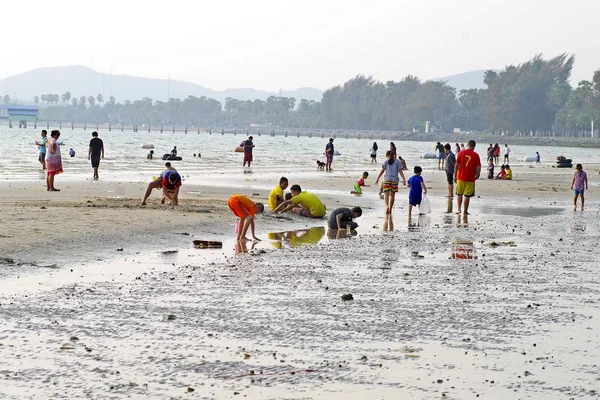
579,184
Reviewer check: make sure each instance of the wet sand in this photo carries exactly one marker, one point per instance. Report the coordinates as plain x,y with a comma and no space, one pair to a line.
500,306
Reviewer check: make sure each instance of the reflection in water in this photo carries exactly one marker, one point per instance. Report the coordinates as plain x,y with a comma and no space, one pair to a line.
522,211
577,226
449,204
388,223
242,246
462,220
421,221
463,250
340,233
301,237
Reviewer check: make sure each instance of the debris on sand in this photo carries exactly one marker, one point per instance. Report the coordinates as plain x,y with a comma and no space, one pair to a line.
497,244
207,244
347,297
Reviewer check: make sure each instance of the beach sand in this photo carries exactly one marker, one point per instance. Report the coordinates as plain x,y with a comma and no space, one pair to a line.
501,305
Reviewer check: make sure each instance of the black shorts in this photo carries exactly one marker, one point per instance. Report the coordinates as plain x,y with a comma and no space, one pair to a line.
42,157
450,178
95,162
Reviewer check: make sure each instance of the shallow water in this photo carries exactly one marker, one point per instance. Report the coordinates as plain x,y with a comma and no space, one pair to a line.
126,160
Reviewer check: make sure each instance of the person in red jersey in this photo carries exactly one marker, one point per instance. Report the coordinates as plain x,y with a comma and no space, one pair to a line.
466,172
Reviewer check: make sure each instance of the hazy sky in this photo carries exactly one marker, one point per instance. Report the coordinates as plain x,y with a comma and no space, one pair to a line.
273,44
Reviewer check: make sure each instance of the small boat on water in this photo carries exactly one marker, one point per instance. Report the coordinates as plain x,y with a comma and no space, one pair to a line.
147,146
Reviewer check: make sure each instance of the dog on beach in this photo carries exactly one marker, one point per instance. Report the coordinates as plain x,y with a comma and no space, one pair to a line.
320,166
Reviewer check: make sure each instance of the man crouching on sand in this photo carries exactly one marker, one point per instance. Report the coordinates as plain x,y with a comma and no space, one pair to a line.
171,183
156,182
246,210
302,203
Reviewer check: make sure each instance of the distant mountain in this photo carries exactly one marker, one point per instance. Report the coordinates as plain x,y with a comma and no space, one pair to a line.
84,81
466,80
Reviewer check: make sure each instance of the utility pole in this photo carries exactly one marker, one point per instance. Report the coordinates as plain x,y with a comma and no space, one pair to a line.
169,87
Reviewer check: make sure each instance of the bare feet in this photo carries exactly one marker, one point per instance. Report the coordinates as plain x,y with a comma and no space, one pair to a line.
55,190
143,203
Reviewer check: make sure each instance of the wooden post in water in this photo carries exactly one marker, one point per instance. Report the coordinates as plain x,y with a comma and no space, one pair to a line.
85,125
161,129
173,128
109,127
35,124
121,127
148,128
72,125
60,124
185,131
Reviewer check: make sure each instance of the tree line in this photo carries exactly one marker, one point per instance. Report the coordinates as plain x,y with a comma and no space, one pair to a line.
534,97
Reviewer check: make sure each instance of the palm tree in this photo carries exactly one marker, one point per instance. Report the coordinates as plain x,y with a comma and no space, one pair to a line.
100,98
82,101
44,98
66,97
91,100
6,99
36,100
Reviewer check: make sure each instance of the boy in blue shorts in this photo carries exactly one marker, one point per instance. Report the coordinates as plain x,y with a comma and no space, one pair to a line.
417,188
579,184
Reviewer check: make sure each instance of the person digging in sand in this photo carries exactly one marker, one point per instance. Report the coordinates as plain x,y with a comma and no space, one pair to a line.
246,210
156,182
302,203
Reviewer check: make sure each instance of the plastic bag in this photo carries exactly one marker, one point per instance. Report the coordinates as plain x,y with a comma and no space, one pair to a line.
425,207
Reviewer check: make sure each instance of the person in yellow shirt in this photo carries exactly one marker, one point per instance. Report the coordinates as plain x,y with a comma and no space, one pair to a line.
508,171
302,203
246,210
276,195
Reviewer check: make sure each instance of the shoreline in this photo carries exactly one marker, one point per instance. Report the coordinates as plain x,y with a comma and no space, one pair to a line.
555,140
95,218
